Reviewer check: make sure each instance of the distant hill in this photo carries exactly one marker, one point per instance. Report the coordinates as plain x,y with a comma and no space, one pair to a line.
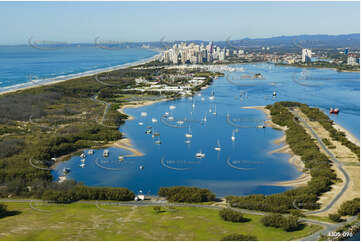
305,41
284,43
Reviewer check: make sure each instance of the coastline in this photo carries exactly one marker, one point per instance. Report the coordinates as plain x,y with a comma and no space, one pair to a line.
293,160
55,80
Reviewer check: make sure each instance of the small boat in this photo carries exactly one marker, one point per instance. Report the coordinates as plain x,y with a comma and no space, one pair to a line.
334,111
218,147
120,157
261,126
90,152
193,105
233,137
200,155
215,110
106,153
143,114
82,160
189,134
156,133
154,120
148,131
141,167
212,97
140,123
171,107
203,99
180,122
204,118
166,113
187,141
82,155
274,94
82,165
170,118
66,170
157,142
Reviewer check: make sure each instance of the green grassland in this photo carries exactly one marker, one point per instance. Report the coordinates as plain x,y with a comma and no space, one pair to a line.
80,221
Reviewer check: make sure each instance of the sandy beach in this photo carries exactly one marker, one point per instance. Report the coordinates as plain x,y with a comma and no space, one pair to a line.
294,159
51,81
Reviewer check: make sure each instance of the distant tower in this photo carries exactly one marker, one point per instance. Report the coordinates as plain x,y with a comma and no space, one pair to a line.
306,55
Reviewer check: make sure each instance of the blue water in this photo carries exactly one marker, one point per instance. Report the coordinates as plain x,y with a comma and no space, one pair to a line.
17,63
241,167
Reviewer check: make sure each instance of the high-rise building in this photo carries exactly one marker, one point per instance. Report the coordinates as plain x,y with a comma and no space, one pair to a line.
306,55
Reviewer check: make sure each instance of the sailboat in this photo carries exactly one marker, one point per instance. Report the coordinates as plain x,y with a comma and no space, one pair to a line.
158,142
212,96
189,134
233,137
215,110
204,118
218,147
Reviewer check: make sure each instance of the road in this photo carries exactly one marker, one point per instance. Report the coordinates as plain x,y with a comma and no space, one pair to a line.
333,159
106,108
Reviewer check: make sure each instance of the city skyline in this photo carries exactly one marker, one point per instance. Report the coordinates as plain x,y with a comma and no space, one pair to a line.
81,22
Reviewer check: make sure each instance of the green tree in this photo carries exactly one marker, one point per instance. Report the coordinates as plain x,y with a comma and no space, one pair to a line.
335,217
231,215
239,237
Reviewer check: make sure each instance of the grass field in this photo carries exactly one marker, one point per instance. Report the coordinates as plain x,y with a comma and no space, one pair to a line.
81,221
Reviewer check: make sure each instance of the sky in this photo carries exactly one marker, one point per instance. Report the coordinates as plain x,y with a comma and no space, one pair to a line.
152,21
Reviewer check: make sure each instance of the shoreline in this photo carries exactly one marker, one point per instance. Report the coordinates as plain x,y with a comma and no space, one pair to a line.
22,86
126,143
293,160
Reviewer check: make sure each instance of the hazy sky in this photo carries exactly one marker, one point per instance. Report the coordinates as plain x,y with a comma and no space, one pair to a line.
143,21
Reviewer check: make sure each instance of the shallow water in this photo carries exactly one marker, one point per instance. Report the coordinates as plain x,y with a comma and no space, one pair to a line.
241,167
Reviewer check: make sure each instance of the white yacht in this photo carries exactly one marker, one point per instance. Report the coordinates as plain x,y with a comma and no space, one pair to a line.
200,154
189,134
233,137
215,110
218,147
106,153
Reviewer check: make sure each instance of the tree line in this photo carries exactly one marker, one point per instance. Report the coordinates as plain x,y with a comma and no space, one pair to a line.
303,145
186,194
